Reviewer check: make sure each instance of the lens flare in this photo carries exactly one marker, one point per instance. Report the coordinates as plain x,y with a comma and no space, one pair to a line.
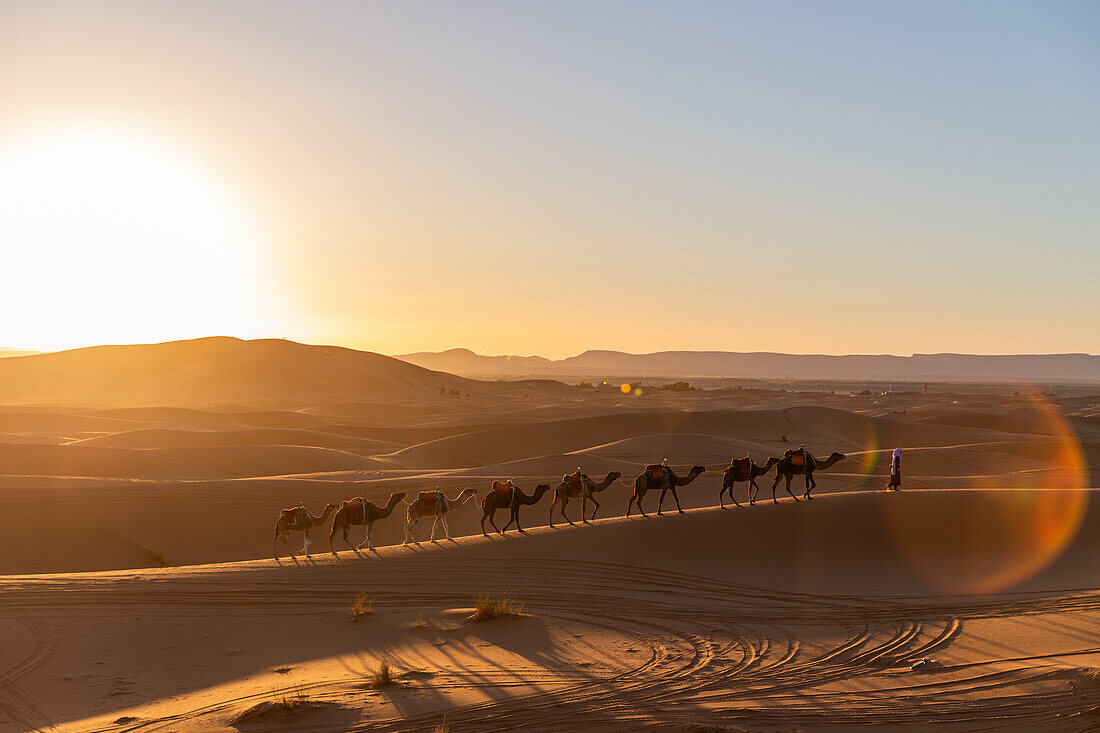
1021,521
625,389
867,459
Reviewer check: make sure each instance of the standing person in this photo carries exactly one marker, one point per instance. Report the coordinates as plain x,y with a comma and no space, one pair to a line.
895,471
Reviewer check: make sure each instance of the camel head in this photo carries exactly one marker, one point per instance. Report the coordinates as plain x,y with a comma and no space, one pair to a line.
696,470
614,476
395,497
465,495
837,457
540,490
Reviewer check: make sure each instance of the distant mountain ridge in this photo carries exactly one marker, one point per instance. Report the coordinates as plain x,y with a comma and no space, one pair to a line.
1075,368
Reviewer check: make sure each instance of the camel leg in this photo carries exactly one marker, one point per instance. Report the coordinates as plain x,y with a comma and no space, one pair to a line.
584,509
639,500
513,518
564,501
552,505
721,498
733,494
369,542
307,543
661,501
789,488
483,518
811,484
596,507
274,540
446,529
629,505
752,494
677,498
492,521
408,534
435,522
774,484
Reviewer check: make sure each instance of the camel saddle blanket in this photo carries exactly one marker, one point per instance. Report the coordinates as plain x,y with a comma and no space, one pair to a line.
743,466
655,470
290,517
355,511
576,480
504,488
427,497
798,458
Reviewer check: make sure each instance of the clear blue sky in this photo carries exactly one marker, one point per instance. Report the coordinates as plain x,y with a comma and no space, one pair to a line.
523,177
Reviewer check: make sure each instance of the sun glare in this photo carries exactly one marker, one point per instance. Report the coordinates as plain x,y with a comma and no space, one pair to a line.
111,237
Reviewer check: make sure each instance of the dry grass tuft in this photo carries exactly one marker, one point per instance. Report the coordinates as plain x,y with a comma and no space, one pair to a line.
285,708
442,727
491,605
362,606
382,676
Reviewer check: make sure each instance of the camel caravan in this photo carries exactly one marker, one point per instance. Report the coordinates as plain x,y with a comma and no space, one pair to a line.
577,485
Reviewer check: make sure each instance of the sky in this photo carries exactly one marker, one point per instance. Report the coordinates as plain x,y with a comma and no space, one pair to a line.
550,177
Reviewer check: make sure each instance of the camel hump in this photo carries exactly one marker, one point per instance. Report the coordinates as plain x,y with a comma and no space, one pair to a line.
742,465
291,517
574,479
656,470
502,487
355,510
798,457
427,497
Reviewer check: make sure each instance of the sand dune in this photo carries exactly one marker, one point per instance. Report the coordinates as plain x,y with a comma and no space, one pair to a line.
218,370
175,463
779,617
153,438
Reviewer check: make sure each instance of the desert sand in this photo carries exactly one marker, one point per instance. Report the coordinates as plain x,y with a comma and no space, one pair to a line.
139,591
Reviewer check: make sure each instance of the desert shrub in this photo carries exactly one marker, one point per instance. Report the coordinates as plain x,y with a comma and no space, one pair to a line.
491,605
382,675
677,387
363,605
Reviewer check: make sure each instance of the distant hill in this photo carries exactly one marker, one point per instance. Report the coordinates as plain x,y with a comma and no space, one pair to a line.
1074,368
6,352
229,370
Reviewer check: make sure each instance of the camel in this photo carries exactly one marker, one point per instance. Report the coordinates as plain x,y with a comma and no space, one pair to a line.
361,511
660,476
513,498
434,504
580,485
737,473
789,467
297,519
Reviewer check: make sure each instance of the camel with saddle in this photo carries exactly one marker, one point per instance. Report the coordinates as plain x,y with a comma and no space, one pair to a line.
741,470
437,505
801,463
661,476
505,494
579,485
361,511
297,519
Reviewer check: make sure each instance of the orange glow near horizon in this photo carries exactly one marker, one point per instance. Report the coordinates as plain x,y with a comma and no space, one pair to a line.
1007,536
114,237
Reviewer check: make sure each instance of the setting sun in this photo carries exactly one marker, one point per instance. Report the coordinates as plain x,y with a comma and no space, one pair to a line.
117,237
